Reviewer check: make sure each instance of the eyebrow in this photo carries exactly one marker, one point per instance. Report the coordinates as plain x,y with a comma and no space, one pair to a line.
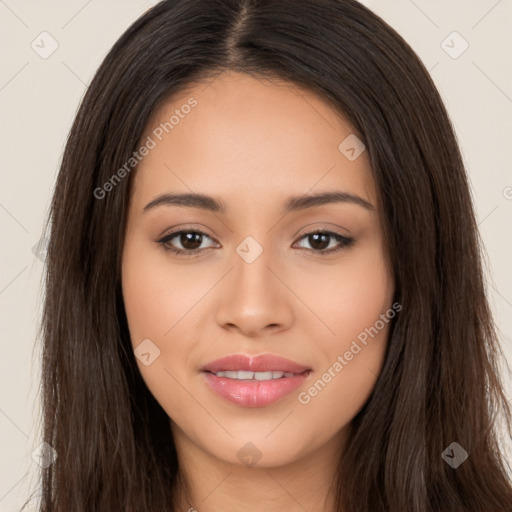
292,204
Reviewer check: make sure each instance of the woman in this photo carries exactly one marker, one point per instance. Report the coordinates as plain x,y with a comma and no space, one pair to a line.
264,285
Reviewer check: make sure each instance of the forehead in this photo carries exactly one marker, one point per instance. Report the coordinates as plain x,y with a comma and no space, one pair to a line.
244,137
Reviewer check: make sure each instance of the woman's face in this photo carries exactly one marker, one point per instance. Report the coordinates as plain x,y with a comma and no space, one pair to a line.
252,280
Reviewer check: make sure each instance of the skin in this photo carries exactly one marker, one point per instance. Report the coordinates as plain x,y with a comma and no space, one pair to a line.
252,143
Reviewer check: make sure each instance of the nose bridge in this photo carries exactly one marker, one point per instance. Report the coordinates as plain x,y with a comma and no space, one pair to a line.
252,262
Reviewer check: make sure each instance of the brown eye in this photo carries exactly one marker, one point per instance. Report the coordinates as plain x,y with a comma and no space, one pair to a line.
190,241
320,241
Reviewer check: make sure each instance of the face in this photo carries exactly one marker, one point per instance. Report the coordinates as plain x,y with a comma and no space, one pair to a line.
260,276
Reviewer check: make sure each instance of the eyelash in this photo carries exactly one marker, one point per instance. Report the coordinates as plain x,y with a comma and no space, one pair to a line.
345,242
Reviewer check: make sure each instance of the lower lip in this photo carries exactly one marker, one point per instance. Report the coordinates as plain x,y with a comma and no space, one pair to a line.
254,393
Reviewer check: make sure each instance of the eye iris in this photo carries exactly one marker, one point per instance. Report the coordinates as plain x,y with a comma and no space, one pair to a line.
319,236
194,238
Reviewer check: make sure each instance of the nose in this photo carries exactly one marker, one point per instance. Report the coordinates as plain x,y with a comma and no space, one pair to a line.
254,298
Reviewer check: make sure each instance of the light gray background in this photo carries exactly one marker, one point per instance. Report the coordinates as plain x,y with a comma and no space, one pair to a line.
39,98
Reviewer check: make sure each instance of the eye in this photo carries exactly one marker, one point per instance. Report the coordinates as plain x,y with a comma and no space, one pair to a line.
191,242
319,238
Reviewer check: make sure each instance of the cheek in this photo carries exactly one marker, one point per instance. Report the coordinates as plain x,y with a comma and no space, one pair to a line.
156,295
356,305
347,297
339,390
158,300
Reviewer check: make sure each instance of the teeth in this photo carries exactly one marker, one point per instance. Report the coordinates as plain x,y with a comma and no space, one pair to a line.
267,375
244,375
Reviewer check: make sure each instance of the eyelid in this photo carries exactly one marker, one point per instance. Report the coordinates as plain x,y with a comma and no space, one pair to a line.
321,226
199,228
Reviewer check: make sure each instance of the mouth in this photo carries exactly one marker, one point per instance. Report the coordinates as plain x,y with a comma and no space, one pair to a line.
255,381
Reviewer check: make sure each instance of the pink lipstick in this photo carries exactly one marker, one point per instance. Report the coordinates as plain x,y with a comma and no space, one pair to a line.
254,381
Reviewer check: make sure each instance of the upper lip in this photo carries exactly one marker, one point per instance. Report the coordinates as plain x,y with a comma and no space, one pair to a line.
261,363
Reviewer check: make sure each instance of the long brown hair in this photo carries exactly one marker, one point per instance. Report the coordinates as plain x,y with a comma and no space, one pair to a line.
440,382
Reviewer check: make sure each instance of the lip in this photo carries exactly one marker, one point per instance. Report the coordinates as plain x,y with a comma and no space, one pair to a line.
254,393
262,363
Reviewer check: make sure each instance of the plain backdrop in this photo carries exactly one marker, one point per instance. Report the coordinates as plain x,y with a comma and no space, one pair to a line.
465,44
